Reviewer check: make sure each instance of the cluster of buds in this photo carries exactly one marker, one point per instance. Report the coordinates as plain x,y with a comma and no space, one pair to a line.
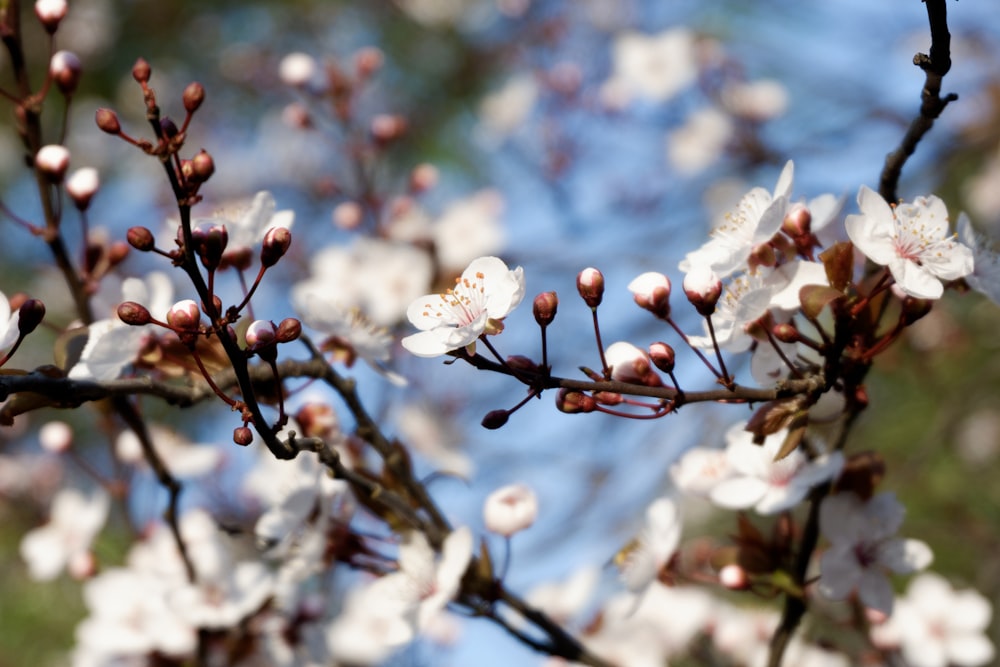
263,337
187,175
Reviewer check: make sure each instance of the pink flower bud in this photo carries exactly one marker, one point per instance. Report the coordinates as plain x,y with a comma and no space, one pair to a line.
210,242
107,121
510,509
348,215
651,291
82,185
55,437
297,70
544,308
65,69
367,61
202,167
184,315
242,436
289,329
276,243
734,577
141,71
50,13
193,96
573,402
662,356
260,333
423,177
52,160
797,221
703,289
590,285
141,239
630,364
388,127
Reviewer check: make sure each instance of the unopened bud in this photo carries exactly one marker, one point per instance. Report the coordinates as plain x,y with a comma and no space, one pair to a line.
107,121
734,577
260,333
544,308
55,436
169,127
52,161
318,420
117,252
573,402
134,313
519,362
65,69
289,329
210,242
762,254
388,127
184,315
797,222
50,13
82,185
141,239
651,290
193,96
367,61
30,315
786,333
423,177
276,243
662,356
297,69
141,71
630,364
202,167
703,289
510,509
242,436
590,285
495,419
348,215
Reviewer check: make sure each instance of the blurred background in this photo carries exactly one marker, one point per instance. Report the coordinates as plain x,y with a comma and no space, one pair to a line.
565,154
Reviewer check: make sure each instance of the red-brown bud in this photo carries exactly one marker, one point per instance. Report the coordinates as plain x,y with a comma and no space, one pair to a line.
495,419
289,329
367,61
786,333
276,243
141,239
519,362
117,253
242,436
662,356
184,315
30,315
797,222
573,402
590,285
202,166
544,308
134,314
210,242
169,127
141,71
194,95
318,420
107,121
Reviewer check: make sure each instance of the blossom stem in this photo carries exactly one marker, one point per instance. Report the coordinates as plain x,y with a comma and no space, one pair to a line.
777,348
880,286
724,377
600,346
208,377
701,355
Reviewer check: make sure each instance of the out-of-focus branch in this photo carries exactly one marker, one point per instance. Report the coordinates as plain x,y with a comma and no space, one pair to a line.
935,65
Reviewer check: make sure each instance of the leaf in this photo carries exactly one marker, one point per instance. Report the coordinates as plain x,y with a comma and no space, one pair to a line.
794,437
838,261
814,298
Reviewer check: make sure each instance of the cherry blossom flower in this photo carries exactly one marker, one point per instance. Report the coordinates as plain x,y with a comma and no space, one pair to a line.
485,294
468,228
935,625
767,485
74,522
757,218
985,277
563,600
642,559
864,546
700,141
503,111
700,469
182,457
651,67
912,240
424,583
510,509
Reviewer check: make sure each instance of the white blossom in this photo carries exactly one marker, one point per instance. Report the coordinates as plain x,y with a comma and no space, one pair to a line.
74,522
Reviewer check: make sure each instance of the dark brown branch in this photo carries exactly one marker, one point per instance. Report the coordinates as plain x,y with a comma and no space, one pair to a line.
935,65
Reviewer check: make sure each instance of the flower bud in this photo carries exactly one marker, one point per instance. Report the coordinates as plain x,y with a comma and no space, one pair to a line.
169,127
630,364
184,315
296,116
651,290
276,243
297,69
388,127
544,308
573,402
348,215
318,420
662,356
734,577
55,436
134,313
65,69
590,285
519,362
495,419
210,242
193,96
797,222
786,333
367,61
260,333
423,178
52,160
141,71
510,509
82,185
141,239
242,436
703,289
202,167
289,329
50,13
30,315
107,121
762,254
